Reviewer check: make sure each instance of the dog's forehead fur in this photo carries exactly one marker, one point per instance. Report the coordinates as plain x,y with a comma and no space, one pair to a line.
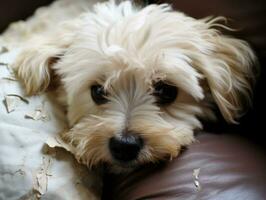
113,40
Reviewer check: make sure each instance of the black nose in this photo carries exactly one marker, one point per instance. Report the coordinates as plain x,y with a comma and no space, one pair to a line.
125,148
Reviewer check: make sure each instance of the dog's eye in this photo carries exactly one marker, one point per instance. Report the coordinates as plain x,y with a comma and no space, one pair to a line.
98,94
165,93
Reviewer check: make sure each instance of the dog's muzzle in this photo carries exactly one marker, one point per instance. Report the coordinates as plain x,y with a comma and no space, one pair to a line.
125,148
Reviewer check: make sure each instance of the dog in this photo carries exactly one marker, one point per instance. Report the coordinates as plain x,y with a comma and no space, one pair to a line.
135,82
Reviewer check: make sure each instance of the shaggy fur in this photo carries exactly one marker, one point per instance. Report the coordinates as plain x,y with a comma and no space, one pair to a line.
126,49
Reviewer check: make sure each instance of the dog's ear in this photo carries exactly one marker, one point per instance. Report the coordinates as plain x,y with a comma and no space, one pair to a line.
229,72
34,64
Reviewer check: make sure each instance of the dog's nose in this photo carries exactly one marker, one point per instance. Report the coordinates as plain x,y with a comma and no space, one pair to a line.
125,148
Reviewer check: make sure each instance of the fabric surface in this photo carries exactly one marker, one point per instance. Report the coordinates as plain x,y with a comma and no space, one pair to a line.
228,167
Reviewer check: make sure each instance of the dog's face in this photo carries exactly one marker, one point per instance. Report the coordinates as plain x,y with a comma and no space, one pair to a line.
137,80
126,115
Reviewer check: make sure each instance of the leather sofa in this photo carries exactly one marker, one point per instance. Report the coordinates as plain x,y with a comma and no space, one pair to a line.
229,161
231,168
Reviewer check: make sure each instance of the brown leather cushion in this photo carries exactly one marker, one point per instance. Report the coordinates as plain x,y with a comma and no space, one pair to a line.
231,168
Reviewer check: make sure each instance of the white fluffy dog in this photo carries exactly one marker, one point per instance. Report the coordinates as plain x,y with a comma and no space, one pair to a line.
135,81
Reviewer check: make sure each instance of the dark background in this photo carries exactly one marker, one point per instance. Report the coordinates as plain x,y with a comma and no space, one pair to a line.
14,10
249,17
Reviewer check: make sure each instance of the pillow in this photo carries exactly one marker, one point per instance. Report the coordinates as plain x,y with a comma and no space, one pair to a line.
29,169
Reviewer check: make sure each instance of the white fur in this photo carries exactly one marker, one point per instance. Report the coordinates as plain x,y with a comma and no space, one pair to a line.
126,49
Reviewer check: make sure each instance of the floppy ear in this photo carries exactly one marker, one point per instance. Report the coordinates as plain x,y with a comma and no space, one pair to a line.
34,64
229,71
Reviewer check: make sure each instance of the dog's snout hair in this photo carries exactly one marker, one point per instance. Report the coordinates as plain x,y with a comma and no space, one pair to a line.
132,98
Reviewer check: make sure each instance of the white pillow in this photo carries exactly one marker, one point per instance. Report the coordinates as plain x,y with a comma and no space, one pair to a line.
26,170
